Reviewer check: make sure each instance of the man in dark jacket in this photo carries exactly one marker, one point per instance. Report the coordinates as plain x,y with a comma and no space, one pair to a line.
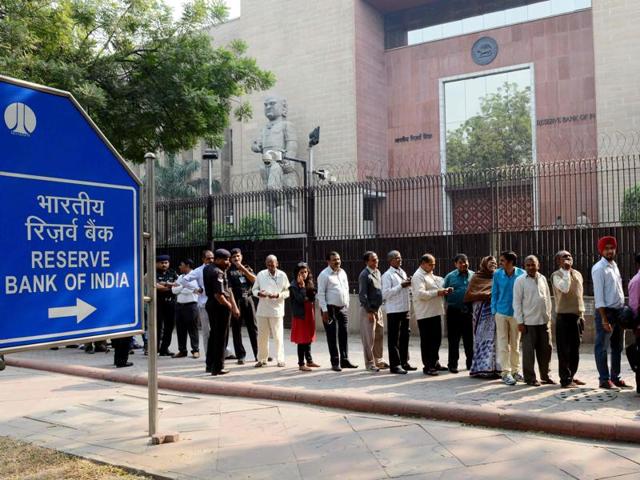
371,325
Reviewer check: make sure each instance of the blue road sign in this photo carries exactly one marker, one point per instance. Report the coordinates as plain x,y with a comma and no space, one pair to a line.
69,224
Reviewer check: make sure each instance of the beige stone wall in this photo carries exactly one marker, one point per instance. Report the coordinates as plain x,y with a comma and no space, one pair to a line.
309,46
371,88
617,70
617,64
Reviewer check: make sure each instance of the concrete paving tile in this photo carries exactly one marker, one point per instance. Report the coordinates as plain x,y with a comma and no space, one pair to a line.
452,432
590,463
485,450
514,470
264,453
190,424
281,472
347,465
399,461
321,444
397,437
361,422
305,426
630,453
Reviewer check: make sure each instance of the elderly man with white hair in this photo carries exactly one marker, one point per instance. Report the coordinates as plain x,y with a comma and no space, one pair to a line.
532,310
272,288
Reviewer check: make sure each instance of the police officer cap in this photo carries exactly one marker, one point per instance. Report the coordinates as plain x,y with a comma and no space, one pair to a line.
221,253
235,250
163,258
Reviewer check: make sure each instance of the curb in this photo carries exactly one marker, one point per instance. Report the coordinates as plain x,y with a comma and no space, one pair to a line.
598,429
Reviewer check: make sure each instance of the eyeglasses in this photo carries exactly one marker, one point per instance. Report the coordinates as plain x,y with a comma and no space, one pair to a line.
568,255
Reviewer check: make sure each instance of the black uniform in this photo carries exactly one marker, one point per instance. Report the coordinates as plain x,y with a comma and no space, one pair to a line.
121,347
166,311
241,288
215,282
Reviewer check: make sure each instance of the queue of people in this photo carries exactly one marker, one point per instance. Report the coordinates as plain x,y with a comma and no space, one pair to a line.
493,312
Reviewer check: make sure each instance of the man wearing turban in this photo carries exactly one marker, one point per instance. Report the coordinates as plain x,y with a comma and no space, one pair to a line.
609,302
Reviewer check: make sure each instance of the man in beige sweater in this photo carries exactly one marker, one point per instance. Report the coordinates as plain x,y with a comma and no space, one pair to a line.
568,294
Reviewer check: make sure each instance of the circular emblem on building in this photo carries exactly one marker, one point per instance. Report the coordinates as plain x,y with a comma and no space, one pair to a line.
484,51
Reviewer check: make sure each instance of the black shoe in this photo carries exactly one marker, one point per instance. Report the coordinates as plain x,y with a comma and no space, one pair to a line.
409,368
347,364
123,365
336,368
102,349
270,359
166,353
179,355
220,372
208,369
231,357
432,372
453,370
440,368
241,361
398,370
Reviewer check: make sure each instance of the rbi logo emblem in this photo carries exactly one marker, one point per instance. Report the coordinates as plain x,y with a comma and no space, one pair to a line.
484,51
20,119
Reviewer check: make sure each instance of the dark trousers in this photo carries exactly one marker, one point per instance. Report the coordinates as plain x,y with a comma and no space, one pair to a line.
219,317
459,325
337,326
536,345
568,345
398,338
430,339
187,324
638,366
247,309
121,350
166,322
304,353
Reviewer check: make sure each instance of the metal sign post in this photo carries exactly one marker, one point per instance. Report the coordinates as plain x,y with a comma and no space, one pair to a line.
152,324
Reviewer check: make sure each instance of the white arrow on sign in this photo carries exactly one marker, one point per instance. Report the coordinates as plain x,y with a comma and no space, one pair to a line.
81,310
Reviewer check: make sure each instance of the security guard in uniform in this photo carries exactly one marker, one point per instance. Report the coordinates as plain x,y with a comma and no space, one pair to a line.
166,306
220,306
241,278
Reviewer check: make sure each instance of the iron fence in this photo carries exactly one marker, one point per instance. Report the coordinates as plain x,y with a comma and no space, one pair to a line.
532,209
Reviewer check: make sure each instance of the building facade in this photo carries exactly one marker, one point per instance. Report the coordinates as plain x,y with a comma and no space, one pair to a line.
402,88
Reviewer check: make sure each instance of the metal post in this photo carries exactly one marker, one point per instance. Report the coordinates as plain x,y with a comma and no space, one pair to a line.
210,179
151,294
310,169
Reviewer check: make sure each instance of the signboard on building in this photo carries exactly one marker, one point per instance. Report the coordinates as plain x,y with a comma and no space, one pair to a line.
70,231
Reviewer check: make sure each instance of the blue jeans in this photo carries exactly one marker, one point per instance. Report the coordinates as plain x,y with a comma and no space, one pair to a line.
606,340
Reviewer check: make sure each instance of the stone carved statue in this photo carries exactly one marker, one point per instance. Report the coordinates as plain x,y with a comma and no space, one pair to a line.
278,135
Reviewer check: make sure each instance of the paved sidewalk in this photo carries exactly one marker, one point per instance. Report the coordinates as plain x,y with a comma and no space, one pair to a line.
233,438
588,403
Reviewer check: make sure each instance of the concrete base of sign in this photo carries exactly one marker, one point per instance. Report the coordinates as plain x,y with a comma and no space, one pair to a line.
160,438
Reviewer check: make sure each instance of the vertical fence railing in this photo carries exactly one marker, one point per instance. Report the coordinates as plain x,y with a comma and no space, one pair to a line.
533,209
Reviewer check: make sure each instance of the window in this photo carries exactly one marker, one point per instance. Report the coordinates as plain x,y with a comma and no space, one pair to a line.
487,121
449,18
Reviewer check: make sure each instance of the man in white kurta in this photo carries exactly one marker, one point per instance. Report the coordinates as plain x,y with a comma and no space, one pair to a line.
272,288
